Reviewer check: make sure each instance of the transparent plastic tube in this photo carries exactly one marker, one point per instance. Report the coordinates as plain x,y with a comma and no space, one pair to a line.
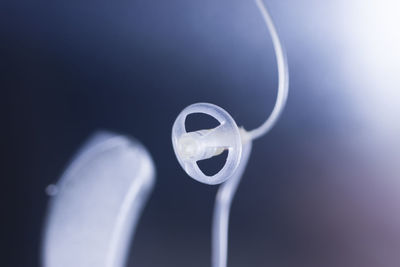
283,75
223,203
227,190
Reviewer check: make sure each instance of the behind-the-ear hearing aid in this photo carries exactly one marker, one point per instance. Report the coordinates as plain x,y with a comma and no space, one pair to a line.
191,147
96,204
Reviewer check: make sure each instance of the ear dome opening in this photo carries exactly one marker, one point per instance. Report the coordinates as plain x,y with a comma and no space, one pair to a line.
191,147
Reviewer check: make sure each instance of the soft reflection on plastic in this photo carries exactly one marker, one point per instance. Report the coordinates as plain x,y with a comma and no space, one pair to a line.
97,203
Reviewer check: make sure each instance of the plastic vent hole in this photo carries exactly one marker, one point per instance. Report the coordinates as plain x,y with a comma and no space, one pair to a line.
213,165
200,121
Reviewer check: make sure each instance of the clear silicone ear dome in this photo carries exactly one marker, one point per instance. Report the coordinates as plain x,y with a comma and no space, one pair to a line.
191,147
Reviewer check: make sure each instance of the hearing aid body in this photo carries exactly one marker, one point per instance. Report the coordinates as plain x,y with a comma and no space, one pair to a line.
97,202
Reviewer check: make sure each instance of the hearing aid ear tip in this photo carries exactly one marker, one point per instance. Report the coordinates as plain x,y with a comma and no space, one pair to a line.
187,147
191,147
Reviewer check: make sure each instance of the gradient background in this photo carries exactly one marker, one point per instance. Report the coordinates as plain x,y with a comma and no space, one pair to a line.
322,189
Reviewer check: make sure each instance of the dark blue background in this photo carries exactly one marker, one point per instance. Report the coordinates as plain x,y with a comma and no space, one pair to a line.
309,197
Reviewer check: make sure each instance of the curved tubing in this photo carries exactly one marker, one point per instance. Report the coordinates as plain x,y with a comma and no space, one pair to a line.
223,203
227,190
283,75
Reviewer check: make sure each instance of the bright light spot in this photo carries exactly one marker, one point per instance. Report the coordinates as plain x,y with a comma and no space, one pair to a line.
372,30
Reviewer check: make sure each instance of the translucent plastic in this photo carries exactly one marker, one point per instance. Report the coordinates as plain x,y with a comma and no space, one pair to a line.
283,75
96,204
194,146
223,203
228,189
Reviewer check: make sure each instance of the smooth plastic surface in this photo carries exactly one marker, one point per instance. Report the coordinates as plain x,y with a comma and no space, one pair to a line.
193,146
96,204
283,75
222,207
